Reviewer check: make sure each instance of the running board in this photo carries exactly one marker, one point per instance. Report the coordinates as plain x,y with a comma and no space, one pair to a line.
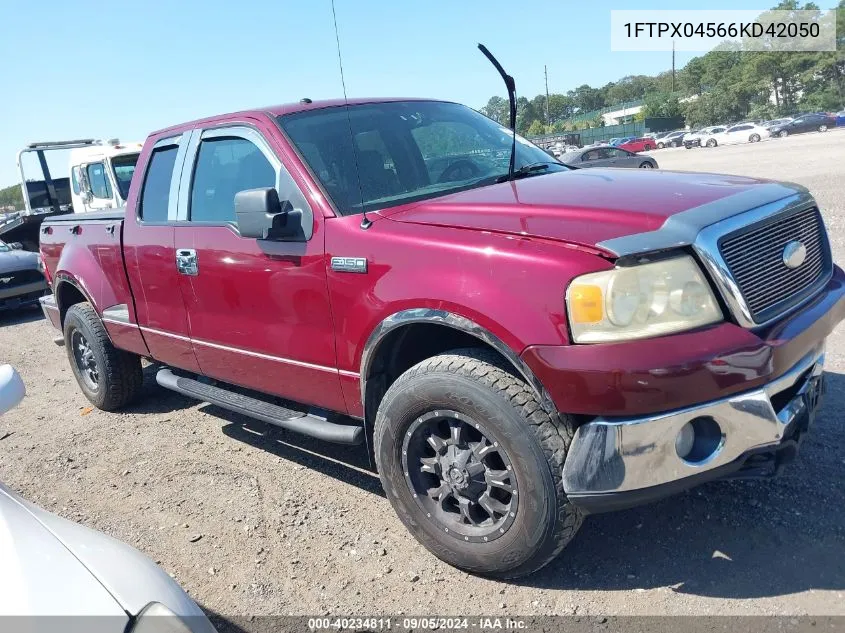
296,421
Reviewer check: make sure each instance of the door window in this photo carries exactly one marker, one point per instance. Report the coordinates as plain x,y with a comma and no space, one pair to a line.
226,165
593,154
98,181
156,193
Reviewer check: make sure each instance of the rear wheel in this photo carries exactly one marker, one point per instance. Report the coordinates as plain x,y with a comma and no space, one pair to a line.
660,146
753,138
646,165
711,142
822,128
472,465
110,378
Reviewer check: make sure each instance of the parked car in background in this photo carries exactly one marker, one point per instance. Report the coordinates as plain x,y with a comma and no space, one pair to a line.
607,156
693,139
672,139
616,142
815,122
776,122
638,145
840,118
21,278
742,133
54,568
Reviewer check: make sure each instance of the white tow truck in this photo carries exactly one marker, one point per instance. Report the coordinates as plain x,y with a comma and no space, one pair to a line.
99,177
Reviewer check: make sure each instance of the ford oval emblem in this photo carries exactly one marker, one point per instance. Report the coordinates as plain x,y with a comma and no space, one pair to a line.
794,254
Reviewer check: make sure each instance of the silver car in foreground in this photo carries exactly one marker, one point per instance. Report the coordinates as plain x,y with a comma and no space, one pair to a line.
56,575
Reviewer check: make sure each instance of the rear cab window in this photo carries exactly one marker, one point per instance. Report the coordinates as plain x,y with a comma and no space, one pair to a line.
155,194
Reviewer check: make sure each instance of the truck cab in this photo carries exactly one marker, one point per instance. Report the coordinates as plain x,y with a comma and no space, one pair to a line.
100,175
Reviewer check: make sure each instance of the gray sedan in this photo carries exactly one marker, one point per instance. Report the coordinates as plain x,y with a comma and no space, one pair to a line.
607,157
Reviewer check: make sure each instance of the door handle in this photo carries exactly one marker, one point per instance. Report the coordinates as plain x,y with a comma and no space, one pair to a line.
186,261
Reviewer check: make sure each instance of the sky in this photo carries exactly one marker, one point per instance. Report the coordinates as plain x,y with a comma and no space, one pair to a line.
91,69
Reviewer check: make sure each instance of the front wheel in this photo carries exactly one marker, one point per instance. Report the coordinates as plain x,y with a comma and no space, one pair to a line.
711,142
646,165
822,128
783,134
472,465
109,377
660,146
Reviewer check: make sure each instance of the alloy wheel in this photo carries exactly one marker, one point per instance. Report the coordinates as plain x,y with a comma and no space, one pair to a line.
460,476
86,362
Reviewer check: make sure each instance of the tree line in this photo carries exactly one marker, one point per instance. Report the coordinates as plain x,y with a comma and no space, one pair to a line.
718,87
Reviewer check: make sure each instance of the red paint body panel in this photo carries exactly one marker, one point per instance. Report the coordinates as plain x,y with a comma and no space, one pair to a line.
511,286
638,145
264,297
653,375
90,258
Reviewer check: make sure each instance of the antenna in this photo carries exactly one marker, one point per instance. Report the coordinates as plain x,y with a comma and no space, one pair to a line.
365,221
510,84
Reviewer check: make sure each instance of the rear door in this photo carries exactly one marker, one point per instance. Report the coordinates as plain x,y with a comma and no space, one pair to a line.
258,310
150,256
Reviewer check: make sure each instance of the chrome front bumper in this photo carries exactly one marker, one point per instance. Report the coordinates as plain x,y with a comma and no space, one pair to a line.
636,460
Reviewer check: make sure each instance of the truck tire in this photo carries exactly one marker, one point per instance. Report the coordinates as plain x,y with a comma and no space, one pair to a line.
472,465
109,377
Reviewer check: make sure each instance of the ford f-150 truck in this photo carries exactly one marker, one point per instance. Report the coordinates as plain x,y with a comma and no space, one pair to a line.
518,346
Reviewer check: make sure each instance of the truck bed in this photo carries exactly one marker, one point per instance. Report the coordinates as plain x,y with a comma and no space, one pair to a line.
86,249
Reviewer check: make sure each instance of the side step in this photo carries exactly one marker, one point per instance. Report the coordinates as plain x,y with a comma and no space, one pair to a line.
296,421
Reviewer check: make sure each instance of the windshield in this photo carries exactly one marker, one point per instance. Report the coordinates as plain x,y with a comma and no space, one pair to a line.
124,167
405,151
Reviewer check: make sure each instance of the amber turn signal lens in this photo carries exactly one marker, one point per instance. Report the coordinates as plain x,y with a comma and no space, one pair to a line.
585,303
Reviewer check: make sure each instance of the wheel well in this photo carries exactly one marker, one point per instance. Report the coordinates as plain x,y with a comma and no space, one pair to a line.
67,295
406,346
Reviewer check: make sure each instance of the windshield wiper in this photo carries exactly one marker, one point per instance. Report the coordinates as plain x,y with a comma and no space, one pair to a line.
525,170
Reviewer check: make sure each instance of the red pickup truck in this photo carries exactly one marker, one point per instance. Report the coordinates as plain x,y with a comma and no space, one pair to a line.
517,347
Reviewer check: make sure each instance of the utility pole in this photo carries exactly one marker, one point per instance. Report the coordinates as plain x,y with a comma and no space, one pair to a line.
673,65
546,73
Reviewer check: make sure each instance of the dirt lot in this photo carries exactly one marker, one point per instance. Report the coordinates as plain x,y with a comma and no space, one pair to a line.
253,520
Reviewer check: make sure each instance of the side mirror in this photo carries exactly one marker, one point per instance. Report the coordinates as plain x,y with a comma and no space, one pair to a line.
16,246
261,215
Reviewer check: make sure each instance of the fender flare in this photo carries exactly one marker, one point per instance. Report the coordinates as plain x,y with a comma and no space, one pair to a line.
64,278
457,322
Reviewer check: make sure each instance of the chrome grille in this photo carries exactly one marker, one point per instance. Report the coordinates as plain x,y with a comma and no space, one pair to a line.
754,257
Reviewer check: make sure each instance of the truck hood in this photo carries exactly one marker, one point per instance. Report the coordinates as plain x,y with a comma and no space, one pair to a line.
585,207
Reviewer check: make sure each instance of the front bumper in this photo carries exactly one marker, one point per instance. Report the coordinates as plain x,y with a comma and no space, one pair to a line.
614,463
23,295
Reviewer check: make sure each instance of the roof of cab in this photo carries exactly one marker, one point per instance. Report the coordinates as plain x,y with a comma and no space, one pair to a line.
285,108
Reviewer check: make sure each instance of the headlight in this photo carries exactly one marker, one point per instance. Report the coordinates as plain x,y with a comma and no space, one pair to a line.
156,618
640,301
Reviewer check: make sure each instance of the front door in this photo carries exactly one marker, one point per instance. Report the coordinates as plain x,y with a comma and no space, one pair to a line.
258,310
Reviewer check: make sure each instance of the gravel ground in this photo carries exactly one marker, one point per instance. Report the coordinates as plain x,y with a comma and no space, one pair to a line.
252,520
